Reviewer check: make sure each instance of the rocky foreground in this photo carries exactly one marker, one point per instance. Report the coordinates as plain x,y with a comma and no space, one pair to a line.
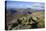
25,21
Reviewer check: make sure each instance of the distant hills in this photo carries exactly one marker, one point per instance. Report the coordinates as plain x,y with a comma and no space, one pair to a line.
21,11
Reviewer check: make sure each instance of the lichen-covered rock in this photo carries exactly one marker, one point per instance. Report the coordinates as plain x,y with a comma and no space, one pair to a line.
26,22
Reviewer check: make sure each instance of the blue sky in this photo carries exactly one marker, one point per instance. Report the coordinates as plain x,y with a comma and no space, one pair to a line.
21,4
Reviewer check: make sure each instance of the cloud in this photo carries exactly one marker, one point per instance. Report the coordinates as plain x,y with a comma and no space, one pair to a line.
19,4
38,6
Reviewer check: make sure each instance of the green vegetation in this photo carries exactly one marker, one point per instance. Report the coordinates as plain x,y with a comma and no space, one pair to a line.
29,21
25,20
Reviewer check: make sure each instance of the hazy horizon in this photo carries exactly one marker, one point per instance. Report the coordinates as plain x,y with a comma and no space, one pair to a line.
21,4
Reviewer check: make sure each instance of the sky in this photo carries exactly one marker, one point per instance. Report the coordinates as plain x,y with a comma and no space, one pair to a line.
21,4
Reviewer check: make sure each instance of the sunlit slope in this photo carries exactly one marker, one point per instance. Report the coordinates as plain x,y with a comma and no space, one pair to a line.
25,22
